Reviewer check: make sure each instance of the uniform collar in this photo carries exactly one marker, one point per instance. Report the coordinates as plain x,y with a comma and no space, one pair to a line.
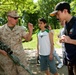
15,28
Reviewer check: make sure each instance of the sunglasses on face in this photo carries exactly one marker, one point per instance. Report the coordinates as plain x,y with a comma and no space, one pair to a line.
15,18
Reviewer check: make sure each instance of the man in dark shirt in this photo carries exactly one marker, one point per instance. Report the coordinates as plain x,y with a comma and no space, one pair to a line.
62,12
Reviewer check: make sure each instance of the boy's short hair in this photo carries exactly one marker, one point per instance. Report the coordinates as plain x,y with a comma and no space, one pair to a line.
43,20
61,6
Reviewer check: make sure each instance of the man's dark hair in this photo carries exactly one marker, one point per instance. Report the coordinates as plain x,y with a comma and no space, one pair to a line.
60,7
63,5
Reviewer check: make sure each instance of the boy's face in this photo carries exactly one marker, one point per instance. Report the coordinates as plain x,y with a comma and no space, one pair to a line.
61,15
41,24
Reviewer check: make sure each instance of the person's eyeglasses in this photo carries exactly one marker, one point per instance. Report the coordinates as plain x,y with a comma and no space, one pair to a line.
15,18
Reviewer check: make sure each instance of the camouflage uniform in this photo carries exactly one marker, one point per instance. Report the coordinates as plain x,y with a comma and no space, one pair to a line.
12,38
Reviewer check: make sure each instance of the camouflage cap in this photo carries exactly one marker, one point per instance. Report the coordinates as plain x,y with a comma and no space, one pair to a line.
13,13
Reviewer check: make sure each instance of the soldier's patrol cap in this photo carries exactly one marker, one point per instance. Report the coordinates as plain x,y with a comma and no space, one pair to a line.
13,13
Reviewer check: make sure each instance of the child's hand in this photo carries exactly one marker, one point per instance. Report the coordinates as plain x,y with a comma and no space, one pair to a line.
51,57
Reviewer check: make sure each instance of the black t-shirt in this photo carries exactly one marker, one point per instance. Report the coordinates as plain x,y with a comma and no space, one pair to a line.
71,48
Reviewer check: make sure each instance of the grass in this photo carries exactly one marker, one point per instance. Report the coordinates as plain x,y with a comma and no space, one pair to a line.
33,44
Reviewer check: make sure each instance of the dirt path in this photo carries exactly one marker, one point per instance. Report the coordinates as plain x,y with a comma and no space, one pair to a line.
36,68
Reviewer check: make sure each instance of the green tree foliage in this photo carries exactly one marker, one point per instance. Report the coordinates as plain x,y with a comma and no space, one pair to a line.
73,7
47,6
30,11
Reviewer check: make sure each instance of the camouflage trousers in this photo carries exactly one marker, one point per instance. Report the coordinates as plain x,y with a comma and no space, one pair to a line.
7,67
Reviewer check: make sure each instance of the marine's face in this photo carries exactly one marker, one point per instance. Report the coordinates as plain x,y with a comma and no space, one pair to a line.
12,20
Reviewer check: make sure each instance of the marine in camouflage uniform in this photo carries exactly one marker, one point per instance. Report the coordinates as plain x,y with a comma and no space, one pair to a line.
13,38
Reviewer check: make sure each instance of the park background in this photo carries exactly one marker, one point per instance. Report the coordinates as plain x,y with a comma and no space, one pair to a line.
31,11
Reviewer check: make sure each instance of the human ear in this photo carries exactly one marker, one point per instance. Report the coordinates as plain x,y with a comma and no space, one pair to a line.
65,10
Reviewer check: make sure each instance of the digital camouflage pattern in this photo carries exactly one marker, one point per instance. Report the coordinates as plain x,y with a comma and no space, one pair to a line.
13,38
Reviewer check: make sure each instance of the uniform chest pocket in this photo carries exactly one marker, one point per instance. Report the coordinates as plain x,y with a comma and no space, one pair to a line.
17,37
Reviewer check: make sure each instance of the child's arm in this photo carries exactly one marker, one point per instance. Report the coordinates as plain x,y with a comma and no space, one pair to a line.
37,47
52,45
